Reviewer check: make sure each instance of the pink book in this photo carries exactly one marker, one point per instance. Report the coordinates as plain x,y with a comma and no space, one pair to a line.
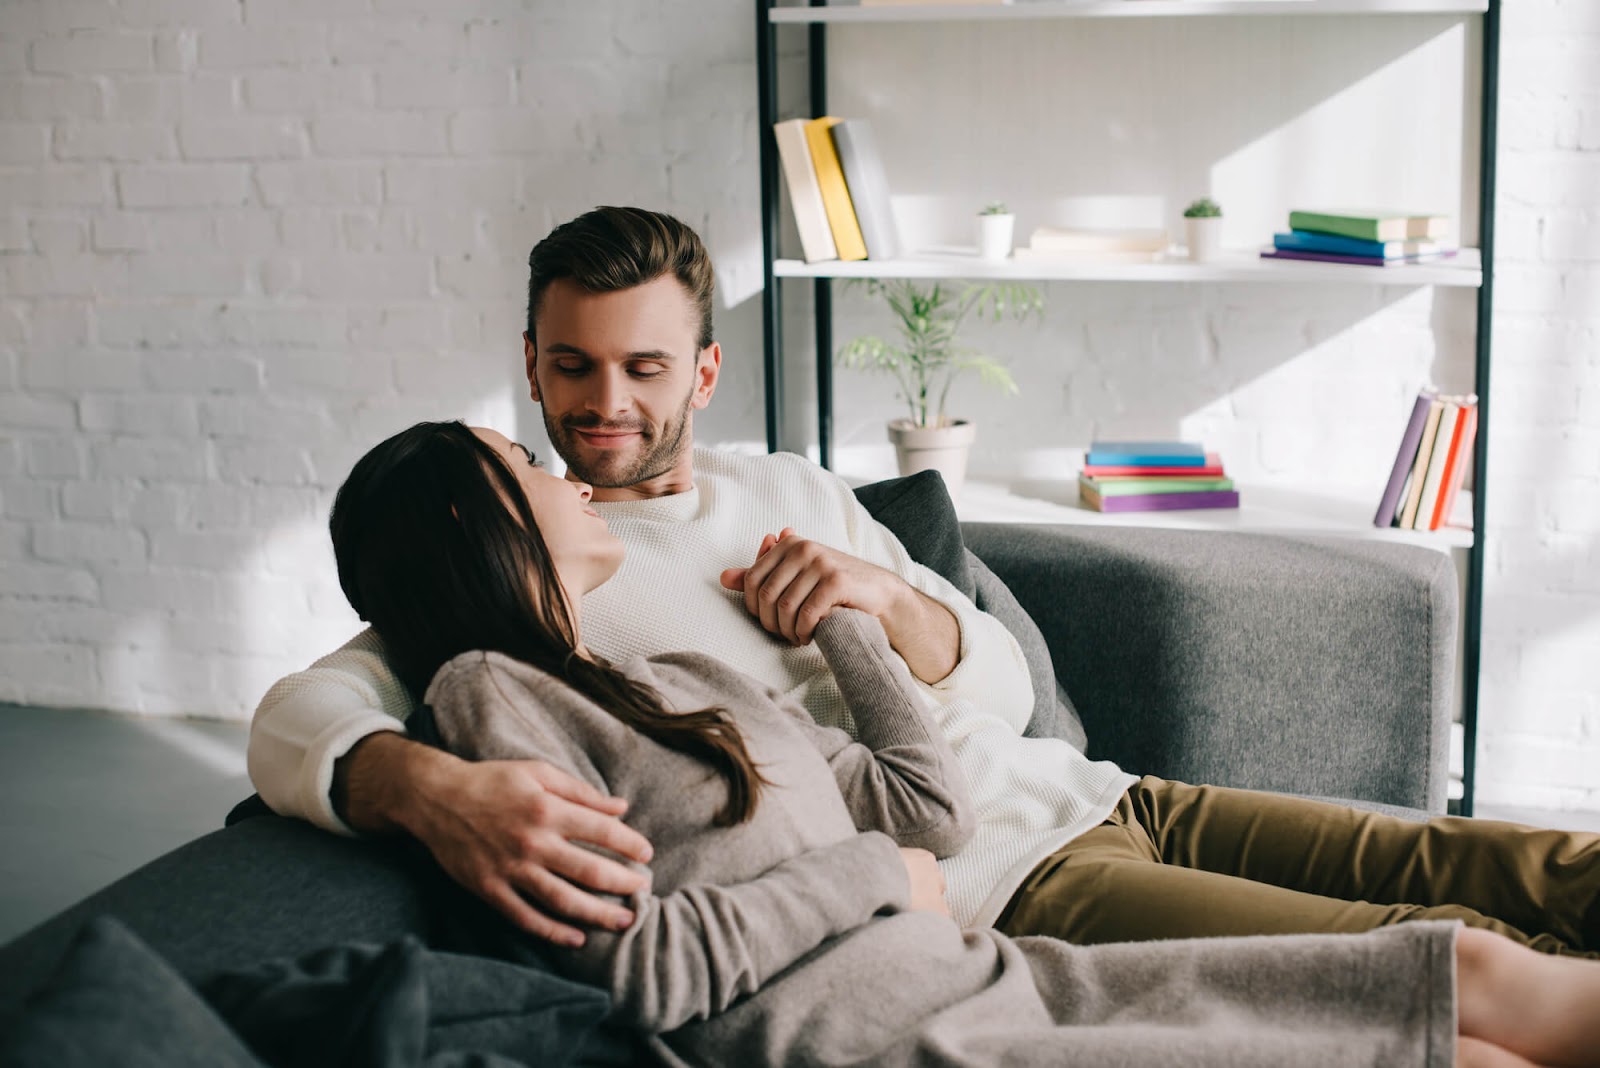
1455,468
1212,469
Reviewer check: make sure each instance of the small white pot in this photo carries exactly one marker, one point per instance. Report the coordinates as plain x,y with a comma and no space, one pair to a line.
1205,238
941,448
994,236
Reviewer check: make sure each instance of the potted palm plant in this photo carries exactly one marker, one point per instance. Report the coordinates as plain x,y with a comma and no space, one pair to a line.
926,360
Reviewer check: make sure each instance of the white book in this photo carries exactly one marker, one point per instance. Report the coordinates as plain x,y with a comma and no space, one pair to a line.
805,194
1053,256
1436,461
1059,239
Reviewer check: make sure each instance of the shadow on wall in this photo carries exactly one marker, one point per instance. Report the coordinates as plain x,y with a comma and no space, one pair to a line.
239,332
1118,122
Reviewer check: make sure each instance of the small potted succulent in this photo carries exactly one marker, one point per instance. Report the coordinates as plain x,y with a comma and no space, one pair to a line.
1203,220
925,360
996,225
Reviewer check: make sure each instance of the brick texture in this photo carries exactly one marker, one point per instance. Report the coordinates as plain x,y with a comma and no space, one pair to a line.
240,239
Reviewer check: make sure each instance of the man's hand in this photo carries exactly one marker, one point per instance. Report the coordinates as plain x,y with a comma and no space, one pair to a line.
506,830
794,584
927,881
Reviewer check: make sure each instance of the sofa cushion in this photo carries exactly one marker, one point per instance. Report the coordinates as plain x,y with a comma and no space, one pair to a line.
917,509
114,1001
401,1004
264,888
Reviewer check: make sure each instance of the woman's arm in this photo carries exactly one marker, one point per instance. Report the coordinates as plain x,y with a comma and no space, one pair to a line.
692,952
900,776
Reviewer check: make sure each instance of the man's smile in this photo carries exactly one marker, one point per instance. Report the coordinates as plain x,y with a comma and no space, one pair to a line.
606,439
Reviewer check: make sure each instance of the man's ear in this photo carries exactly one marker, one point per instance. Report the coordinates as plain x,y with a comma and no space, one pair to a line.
530,361
707,366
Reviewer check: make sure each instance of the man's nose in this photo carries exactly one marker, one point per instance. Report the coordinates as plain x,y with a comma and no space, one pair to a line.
610,395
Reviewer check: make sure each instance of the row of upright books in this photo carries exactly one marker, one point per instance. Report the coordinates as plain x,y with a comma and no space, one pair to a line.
1431,463
1154,476
838,189
1364,239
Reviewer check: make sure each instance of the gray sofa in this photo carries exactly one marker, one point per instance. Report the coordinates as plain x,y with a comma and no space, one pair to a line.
1313,666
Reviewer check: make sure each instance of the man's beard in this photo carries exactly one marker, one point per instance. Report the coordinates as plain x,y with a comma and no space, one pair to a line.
656,456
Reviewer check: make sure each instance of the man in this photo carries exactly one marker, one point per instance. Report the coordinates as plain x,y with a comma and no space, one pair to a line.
620,354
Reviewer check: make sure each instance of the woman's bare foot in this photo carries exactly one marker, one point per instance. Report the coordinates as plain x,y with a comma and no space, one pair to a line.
1542,1008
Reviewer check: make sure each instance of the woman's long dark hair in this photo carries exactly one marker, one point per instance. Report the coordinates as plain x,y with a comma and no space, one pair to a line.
438,549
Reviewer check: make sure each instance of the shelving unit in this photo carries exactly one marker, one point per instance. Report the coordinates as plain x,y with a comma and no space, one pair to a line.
1462,270
1267,509
1099,9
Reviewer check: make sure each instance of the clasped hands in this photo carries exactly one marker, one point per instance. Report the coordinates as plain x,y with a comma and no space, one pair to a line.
794,583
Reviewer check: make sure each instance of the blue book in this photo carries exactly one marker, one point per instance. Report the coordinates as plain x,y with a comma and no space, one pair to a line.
1310,241
1147,454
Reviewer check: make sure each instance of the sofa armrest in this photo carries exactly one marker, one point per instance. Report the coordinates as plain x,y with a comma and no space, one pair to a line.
1296,664
265,888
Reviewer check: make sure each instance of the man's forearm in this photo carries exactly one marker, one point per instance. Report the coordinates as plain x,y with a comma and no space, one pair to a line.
926,634
377,783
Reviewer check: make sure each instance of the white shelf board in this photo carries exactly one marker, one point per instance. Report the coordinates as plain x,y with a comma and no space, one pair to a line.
1079,9
1262,510
1462,270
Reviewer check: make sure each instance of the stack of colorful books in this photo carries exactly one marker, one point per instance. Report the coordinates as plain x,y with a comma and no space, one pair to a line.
1154,476
1366,239
1432,461
837,188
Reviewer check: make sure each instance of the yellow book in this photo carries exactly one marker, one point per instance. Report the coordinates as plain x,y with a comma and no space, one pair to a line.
1419,470
835,194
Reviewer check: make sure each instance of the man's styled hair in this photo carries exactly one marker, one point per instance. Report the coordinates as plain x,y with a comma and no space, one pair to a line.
609,249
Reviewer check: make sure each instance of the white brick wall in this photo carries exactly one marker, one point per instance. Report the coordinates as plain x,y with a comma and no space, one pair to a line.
1540,734
241,239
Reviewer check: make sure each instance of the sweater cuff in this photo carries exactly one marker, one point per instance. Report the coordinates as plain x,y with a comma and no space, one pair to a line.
873,868
316,781
873,680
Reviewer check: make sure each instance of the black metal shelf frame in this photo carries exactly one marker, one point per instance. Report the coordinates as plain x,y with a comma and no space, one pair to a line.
822,304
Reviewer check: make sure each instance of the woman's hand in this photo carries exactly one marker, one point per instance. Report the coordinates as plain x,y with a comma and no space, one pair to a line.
927,881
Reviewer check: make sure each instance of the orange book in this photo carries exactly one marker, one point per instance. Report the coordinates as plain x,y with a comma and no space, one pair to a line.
835,193
1455,466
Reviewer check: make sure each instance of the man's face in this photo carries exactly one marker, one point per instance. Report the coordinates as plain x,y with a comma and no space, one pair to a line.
618,376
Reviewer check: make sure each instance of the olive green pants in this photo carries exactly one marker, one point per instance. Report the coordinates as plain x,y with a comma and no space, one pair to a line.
1179,861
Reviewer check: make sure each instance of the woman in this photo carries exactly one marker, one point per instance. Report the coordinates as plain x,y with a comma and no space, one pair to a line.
796,914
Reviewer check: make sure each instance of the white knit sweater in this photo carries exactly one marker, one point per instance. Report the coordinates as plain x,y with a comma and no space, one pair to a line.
1032,795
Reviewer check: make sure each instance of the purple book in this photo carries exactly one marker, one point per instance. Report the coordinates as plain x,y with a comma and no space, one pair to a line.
1403,460
1361,261
1169,502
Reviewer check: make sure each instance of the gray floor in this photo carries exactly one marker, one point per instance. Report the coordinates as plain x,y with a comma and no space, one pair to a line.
87,797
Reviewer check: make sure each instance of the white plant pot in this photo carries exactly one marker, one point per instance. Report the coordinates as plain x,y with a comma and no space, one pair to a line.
1205,238
940,448
994,236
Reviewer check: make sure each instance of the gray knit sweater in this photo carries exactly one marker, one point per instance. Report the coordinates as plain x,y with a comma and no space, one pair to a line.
786,939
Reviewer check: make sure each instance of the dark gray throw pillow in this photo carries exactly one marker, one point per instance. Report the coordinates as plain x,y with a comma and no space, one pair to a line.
113,1000
370,1005
917,509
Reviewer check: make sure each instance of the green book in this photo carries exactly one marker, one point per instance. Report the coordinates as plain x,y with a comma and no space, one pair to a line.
1372,225
1128,487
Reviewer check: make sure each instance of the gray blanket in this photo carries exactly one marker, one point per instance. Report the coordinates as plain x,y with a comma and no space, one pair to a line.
787,939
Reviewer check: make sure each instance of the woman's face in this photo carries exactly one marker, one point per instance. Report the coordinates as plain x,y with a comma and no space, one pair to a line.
583,551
